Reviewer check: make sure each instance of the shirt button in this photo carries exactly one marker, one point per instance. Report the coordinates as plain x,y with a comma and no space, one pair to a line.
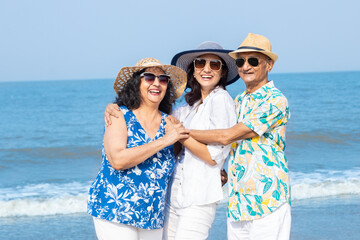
155,159
152,184
149,208
152,175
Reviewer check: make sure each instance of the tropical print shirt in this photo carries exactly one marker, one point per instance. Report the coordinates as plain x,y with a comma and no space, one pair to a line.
135,196
258,169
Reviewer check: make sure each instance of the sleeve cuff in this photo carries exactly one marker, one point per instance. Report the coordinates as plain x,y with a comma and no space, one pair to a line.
219,152
260,130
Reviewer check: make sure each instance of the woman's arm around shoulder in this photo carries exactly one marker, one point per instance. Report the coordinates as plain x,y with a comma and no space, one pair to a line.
111,110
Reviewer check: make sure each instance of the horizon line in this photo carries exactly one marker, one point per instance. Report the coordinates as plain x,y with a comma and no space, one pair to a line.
107,78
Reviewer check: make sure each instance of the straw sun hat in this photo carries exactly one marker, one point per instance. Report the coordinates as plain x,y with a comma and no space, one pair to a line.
177,76
183,59
255,43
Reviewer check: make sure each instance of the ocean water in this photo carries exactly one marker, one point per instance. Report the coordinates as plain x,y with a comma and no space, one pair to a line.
51,135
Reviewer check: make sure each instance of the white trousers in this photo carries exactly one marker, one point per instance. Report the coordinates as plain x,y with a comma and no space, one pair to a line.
106,230
193,222
275,226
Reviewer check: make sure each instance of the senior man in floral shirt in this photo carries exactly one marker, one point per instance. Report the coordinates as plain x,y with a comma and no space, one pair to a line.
259,186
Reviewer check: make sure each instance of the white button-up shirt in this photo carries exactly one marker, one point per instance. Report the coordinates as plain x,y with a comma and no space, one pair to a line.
200,183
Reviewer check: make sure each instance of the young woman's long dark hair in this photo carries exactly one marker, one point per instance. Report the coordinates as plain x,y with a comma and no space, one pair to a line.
195,93
130,97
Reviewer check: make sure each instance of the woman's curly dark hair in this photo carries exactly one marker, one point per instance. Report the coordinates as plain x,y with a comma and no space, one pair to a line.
195,93
129,95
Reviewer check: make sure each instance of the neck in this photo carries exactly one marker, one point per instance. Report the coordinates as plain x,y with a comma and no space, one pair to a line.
205,93
147,111
250,88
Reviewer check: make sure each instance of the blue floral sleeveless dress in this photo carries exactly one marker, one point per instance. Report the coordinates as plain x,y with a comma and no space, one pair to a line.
135,196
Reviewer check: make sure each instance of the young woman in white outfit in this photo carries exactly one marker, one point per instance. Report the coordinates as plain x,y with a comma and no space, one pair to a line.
196,184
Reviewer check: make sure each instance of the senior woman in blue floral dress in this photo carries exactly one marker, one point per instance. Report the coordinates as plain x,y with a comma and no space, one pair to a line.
127,198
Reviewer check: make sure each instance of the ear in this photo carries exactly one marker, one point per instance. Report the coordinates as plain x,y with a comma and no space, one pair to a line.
269,65
223,73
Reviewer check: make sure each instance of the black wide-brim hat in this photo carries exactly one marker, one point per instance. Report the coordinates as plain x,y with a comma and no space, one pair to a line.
183,59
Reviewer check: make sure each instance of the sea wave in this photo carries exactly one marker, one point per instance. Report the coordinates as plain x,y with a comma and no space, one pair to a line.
65,204
325,184
68,198
43,199
43,191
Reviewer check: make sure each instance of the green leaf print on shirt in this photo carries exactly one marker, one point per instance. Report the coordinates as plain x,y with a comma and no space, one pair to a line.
267,161
276,195
268,185
240,171
251,211
258,199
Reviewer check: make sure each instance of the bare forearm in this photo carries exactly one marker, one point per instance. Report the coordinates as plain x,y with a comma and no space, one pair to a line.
209,136
239,132
223,136
122,159
199,150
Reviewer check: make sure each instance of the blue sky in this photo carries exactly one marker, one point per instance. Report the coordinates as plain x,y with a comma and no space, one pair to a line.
55,40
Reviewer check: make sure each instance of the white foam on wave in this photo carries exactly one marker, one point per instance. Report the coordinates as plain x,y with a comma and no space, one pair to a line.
43,190
44,206
325,184
43,199
67,198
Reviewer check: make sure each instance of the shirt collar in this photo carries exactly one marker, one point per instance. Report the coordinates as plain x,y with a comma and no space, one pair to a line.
261,92
216,89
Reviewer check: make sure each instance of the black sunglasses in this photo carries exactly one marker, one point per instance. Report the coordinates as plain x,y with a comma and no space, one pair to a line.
214,64
253,61
150,78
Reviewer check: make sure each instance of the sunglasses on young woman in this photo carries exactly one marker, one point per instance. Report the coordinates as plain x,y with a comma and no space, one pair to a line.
200,63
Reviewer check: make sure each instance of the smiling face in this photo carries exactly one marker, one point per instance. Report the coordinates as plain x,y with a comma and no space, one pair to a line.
206,77
155,91
254,77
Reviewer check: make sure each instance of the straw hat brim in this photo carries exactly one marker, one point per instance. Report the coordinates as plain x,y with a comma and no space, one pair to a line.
183,60
177,77
273,56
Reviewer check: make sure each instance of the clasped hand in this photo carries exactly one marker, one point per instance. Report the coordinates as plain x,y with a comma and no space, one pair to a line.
174,130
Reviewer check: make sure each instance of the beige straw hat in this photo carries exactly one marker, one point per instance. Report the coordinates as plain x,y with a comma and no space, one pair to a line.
255,43
177,76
